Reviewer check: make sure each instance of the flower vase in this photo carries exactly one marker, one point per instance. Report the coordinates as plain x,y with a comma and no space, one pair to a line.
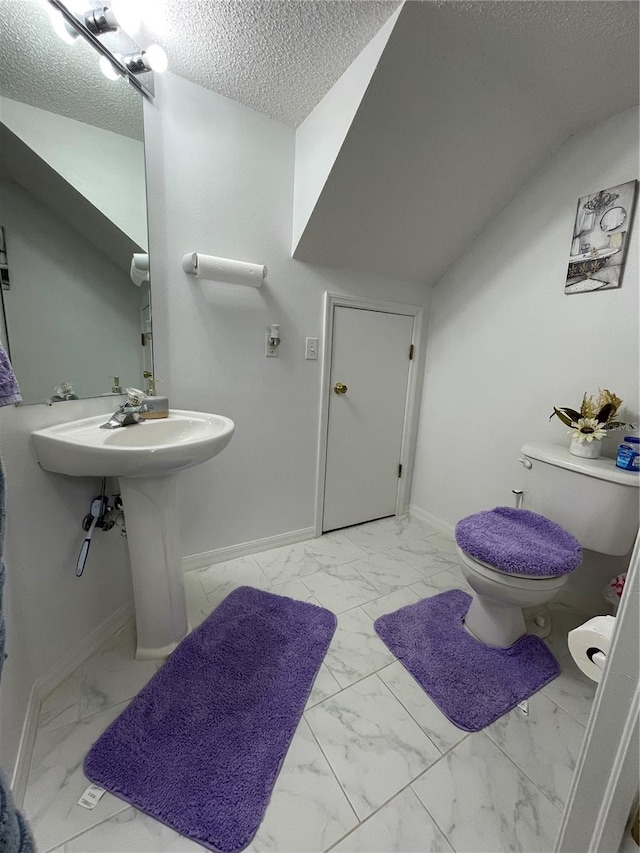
586,449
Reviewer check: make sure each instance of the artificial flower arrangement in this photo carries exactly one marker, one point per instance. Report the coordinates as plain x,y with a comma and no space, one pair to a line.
596,417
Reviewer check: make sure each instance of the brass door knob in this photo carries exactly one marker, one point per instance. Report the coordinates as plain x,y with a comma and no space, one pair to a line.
339,388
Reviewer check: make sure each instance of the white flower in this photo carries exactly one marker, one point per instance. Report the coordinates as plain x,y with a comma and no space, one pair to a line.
587,429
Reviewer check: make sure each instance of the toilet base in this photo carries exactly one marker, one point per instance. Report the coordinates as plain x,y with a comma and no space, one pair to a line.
533,615
493,624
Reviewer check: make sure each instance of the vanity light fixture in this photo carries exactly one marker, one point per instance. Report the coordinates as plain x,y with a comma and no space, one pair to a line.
121,14
118,15
153,58
61,27
109,69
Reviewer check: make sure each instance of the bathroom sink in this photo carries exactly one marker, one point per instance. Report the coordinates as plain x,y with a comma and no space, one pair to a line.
151,448
147,458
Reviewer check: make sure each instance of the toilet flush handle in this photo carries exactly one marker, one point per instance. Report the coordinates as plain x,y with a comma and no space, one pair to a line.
519,495
526,462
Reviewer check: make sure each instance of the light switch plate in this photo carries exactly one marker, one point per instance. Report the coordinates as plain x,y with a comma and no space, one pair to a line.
311,349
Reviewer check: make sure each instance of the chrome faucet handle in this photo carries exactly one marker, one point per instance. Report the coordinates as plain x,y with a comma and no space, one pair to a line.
125,415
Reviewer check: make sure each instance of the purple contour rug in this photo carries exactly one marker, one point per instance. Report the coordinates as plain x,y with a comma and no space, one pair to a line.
472,684
200,747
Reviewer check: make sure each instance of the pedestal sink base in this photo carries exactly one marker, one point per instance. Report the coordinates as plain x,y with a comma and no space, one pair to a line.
156,564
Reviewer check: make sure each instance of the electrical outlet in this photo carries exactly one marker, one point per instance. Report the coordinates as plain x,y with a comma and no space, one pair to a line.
311,348
269,350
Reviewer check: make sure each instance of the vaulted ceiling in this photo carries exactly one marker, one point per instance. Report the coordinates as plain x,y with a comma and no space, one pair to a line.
467,101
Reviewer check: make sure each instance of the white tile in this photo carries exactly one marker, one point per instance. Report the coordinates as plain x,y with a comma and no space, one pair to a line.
387,571
572,690
308,810
374,746
222,578
545,744
484,804
424,711
324,686
333,549
284,564
341,588
391,602
356,650
430,555
441,582
403,825
56,782
407,528
198,605
295,589
62,705
563,620
112,675
374,536
131,831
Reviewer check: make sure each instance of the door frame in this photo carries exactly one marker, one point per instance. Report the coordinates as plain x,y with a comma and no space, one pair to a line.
605,783
411,410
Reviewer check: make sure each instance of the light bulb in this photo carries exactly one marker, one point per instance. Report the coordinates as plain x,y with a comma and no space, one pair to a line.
61,27
108,69
156,58
127,14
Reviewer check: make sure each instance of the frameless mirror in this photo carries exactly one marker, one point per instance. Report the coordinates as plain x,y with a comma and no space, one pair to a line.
73,224
613,218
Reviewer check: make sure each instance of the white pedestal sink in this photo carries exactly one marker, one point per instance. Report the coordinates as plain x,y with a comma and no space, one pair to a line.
146,457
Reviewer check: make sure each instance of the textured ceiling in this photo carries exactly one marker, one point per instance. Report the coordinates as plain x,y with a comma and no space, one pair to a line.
277,57
467,101
280,58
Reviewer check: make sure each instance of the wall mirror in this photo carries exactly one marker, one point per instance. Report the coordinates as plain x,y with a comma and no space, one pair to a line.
74,258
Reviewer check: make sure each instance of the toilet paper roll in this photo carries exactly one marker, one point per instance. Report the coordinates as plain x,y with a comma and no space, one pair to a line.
223,269
589,645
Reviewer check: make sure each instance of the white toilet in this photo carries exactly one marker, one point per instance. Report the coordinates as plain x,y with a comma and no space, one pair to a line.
590,498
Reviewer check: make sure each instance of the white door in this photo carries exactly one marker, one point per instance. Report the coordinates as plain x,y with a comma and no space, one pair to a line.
367,398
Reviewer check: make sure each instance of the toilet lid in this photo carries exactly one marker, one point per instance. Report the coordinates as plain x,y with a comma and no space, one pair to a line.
517,541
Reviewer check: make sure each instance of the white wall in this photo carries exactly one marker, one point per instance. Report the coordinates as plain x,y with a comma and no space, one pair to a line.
320,136
220,181
107,168
505,344
69,298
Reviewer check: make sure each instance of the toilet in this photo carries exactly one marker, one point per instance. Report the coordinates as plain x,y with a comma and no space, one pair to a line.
518,558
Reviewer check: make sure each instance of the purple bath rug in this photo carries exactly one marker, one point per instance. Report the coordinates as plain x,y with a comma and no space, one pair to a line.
471,683
200,747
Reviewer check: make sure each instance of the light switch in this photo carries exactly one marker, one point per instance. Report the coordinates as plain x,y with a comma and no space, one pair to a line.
311,348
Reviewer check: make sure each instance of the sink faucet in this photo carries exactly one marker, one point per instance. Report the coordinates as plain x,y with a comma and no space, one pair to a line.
125,415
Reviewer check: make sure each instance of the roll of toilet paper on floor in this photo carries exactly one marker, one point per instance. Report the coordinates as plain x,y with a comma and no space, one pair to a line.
589,645
223,269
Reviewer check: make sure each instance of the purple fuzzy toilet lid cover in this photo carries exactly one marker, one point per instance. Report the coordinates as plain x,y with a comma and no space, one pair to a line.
518,541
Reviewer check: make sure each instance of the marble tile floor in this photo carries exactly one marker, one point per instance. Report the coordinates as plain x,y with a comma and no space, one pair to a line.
374,766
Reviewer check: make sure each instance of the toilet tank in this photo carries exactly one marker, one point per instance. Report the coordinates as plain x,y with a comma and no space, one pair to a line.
591,498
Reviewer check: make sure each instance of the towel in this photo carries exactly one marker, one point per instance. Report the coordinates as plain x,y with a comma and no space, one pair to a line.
9,388
14,832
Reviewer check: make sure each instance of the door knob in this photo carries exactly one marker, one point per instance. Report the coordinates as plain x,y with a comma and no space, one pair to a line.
339,388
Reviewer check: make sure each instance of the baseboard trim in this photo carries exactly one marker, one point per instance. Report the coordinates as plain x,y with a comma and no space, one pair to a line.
243,549
47,683
429,518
